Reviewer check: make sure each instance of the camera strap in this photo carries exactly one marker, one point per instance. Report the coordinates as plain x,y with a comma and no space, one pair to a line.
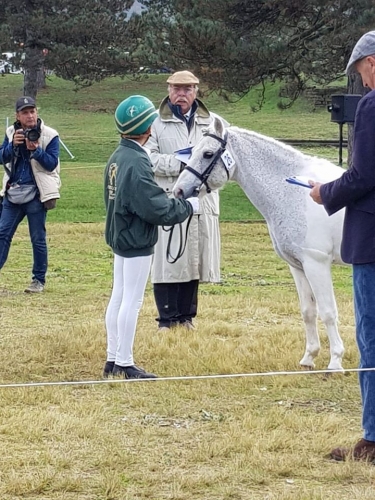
15,152
12,165
19,152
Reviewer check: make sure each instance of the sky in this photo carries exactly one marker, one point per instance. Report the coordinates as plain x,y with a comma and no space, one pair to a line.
136,8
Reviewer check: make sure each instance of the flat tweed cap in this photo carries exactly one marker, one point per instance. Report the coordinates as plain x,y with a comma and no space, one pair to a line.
363,48
183,78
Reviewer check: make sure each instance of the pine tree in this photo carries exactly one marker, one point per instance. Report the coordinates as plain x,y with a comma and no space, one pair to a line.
81,40
237,44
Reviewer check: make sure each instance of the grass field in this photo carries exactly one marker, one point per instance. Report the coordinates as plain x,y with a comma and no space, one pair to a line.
84,120
243,438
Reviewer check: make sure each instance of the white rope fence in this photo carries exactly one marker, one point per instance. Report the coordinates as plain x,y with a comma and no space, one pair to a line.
184,378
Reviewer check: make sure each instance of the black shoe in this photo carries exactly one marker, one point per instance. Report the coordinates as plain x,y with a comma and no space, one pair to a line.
131,372
188,324
108,369
172,324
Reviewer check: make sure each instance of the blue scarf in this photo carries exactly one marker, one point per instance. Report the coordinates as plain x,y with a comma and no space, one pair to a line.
176,110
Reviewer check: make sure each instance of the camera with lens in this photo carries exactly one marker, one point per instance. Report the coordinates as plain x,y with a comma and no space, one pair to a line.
32,134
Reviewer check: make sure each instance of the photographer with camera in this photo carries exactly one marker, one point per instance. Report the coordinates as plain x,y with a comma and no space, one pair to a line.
31,183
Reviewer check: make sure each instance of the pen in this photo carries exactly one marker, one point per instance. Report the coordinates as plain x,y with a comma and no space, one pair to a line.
293,180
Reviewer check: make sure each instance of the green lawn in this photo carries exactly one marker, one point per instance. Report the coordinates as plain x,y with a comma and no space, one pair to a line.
85,118
85,122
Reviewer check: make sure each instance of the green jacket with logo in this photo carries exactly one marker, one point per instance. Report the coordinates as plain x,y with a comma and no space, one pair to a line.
135,204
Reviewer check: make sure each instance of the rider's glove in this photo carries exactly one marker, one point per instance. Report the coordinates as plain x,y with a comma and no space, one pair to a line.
194,202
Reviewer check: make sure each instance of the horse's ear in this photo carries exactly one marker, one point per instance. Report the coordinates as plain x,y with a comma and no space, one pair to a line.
218,125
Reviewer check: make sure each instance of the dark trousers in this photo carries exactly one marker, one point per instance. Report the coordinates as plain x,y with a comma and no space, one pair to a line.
176,302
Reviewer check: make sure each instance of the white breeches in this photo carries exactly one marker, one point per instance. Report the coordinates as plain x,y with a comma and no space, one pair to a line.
129,283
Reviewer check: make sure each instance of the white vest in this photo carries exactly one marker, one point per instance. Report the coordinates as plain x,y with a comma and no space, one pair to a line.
48,183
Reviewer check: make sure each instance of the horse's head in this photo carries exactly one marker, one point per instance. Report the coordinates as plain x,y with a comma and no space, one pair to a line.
209,165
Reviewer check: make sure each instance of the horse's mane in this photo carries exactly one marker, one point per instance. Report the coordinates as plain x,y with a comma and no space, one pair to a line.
283,148
266,138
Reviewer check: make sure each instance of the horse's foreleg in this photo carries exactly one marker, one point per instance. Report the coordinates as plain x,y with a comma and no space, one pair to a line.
319,276
309,315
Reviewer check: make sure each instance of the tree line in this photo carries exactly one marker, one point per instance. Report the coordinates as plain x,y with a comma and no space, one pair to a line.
233,45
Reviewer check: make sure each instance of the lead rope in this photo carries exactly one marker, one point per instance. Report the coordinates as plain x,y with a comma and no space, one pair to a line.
182,245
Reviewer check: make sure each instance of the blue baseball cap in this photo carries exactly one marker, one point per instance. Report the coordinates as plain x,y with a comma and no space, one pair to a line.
25,102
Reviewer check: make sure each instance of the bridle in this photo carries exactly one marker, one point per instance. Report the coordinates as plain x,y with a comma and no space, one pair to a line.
203,177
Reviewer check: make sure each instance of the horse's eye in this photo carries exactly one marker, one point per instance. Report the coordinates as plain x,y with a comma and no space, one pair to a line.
208,154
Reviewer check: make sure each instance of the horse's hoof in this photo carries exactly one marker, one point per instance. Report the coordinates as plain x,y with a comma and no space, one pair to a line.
333,371
307,367
338,369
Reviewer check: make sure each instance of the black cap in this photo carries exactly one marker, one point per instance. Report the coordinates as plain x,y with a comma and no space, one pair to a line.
25,102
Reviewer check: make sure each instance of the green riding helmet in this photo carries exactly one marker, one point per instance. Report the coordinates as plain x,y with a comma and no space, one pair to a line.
134,115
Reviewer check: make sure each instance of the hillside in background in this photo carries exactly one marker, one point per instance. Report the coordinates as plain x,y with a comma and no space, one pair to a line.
84,118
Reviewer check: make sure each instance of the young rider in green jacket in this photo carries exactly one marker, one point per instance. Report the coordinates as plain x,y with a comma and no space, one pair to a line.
135,206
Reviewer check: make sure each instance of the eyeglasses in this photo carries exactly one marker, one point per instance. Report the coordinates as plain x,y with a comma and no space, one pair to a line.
182,88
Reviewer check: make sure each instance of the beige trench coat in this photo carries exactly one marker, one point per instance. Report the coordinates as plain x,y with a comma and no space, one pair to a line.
201,259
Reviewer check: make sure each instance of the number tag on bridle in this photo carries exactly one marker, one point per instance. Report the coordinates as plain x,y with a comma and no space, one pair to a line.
228,159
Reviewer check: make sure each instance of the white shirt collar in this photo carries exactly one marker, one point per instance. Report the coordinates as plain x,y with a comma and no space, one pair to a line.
148,151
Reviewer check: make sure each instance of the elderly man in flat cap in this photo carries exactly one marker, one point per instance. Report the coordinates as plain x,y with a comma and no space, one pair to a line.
181,121
355,190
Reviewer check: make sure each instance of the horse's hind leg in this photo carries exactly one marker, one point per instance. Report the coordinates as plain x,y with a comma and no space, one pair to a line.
318,273
309,315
